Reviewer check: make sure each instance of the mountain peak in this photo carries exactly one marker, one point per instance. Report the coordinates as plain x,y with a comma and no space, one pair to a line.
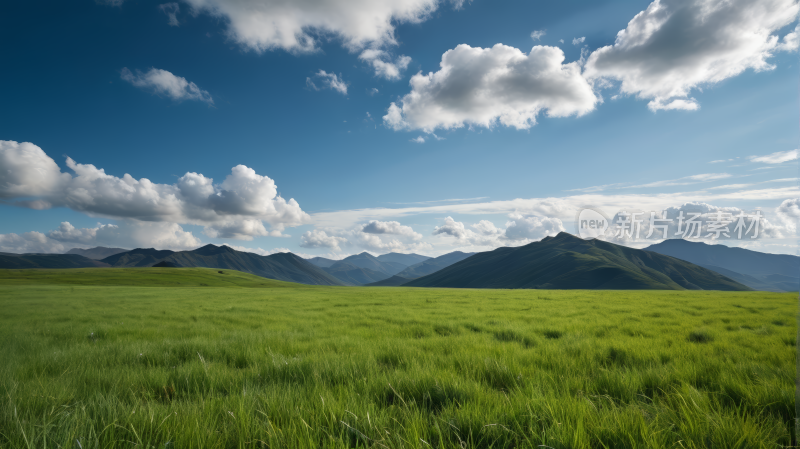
211,249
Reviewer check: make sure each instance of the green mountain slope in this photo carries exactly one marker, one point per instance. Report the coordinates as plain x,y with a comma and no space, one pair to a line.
760,271
281,266
96,253
21,261
322,262
139,257
568,262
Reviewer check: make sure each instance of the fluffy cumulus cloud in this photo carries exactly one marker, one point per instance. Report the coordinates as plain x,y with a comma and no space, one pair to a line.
520,229
236,208
381,61
318,238
165,83
376,236
299,26
484,86
126,234
390,227
789,213
676,46
531,227
778,157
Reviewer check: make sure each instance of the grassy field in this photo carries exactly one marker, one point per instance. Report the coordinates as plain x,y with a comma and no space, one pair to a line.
194,358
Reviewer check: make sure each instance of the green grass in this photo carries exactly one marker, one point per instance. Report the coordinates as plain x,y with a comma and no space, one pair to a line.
183,358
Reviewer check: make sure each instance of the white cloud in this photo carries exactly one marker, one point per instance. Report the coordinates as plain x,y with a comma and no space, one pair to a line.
520,229
578,40
317,238
789,213
26,171
777,157
390,227
234,208
538,34
171,10
676,46
372,91
381,62
126,234
329,81
418,139
110,2
791,41
484,86
30,242
163,82
531,227
299,26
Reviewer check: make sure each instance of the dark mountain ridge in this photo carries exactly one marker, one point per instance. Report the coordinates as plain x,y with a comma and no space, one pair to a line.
568,262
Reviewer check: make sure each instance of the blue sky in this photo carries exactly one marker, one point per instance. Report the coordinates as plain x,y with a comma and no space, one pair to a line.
644,117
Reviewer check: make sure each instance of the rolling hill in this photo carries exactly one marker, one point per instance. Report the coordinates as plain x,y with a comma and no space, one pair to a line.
568,262
96,253
760,271
20,261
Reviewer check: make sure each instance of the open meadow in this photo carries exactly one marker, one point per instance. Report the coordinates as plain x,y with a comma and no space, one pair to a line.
198,358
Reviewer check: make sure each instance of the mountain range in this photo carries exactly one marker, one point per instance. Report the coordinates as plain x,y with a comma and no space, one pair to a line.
364,268
569,262
759,271
20,261
423,268
281,266
560,262
96,253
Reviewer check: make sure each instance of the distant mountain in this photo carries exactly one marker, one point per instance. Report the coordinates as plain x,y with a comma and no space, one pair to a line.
421,269
364,268
370,262
402,259
96,253
19,261
568,262
322,262
350,274
760,271
433,265
139,257
280,266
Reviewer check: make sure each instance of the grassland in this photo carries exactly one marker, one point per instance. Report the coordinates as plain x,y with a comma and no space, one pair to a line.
191,358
